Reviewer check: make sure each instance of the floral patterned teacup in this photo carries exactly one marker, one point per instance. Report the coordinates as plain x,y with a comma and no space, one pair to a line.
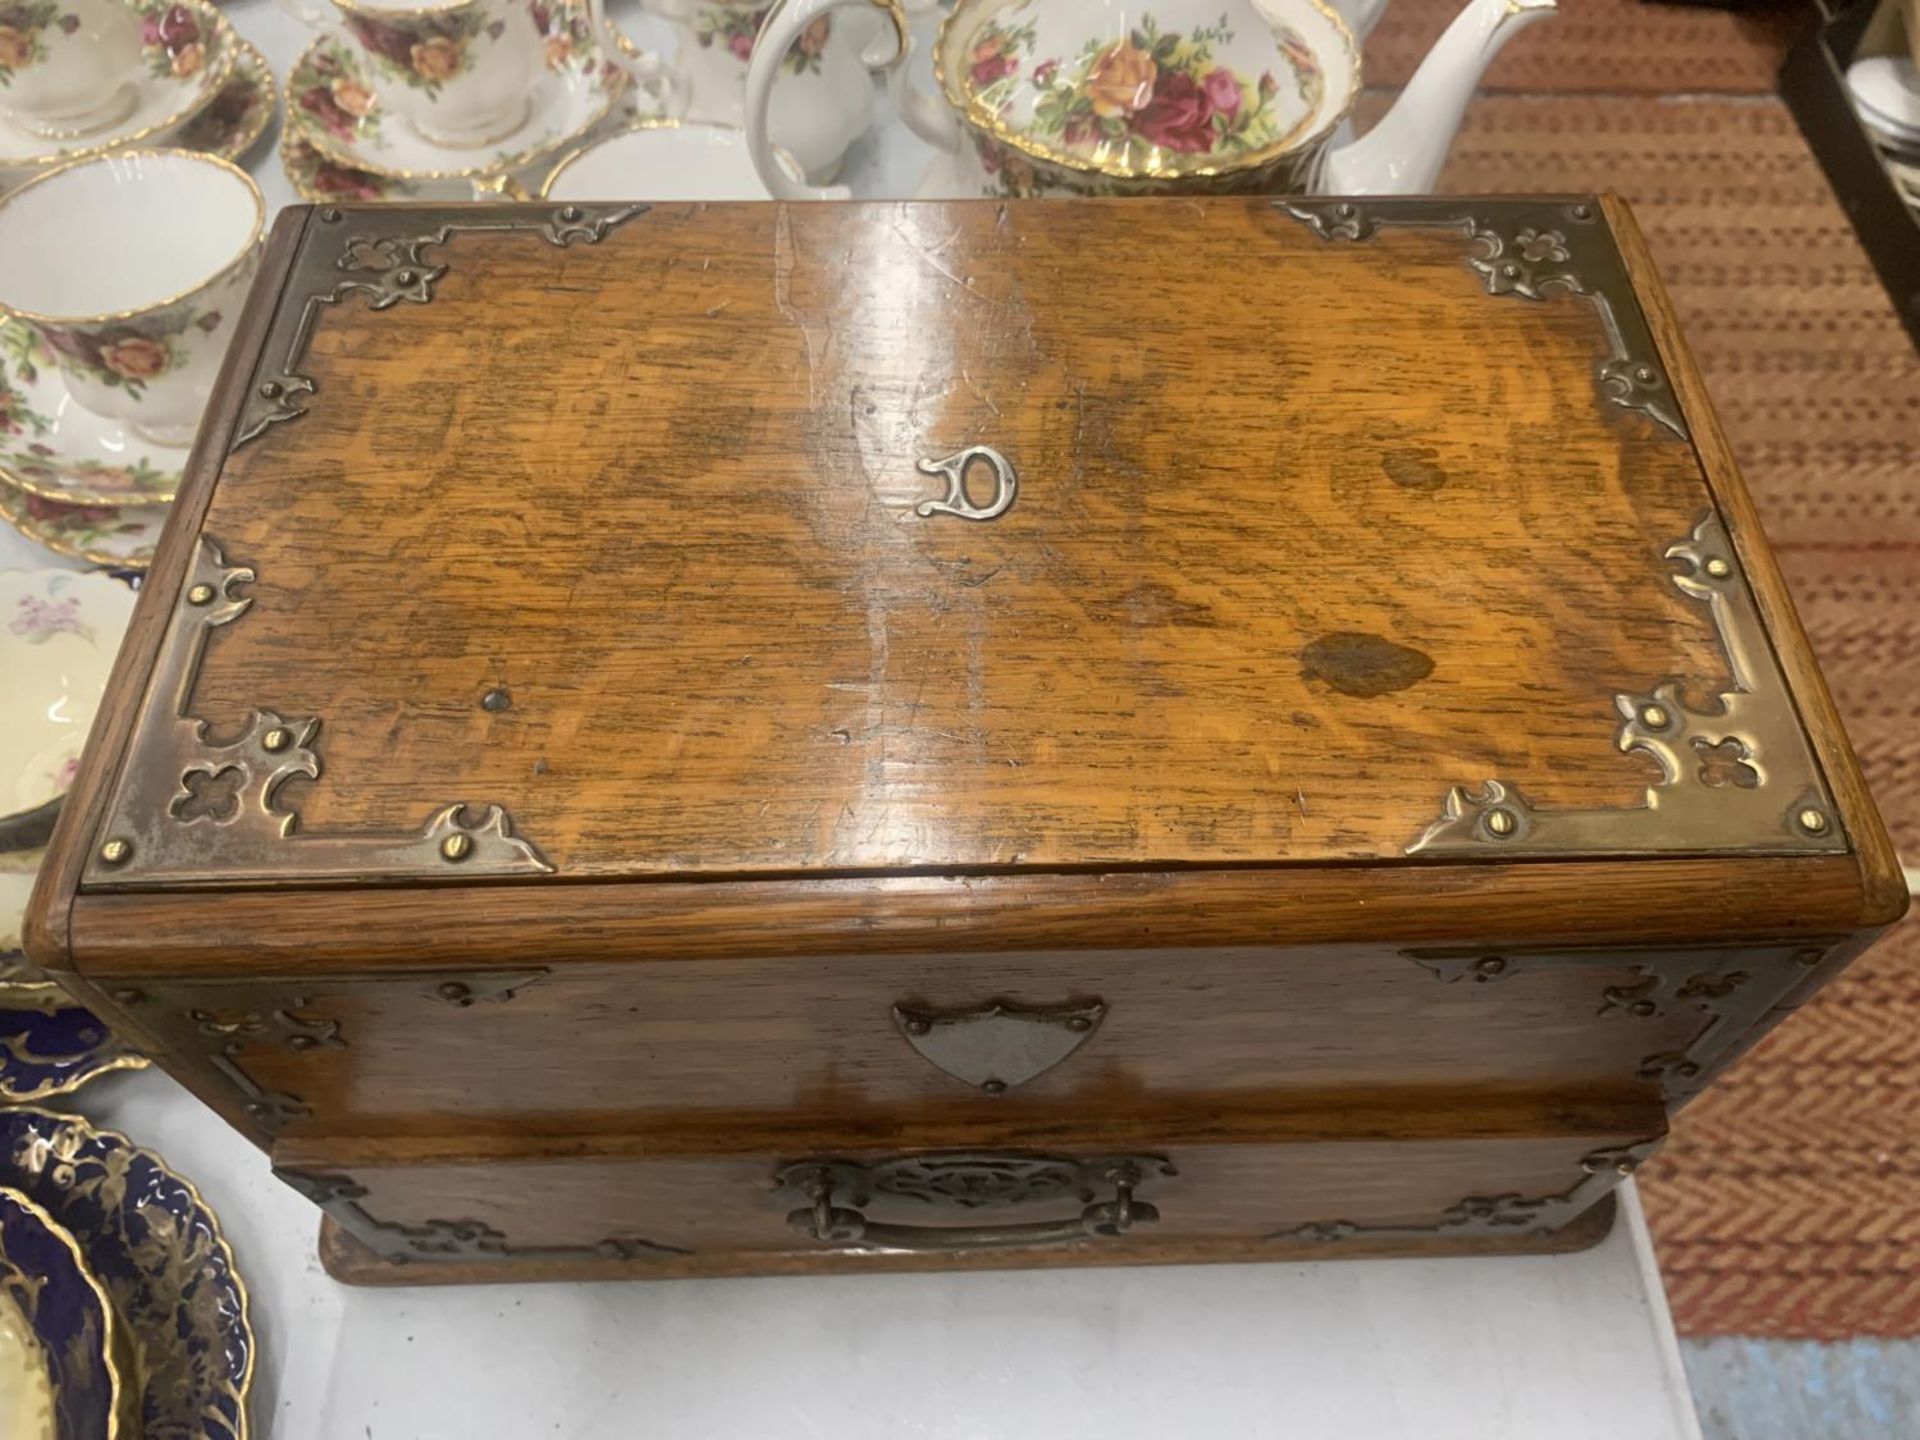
132,268
461,73
67,67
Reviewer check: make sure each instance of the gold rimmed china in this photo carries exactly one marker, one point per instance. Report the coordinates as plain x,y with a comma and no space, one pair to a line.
1110,98
65,1370
168,92
332,106
158,1249
130,269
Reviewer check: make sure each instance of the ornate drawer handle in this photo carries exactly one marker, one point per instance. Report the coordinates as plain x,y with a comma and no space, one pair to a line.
994,1180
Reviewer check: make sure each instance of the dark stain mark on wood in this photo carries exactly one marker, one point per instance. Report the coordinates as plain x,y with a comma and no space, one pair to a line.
1414,469
1365,665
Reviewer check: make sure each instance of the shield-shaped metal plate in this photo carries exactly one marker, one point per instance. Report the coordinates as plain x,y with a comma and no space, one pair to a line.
997,1047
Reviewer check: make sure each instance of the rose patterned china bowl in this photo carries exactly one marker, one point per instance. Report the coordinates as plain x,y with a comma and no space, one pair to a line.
131,268
333,105
1181,96
660,159
157,1250
59,633
59,1378
185,52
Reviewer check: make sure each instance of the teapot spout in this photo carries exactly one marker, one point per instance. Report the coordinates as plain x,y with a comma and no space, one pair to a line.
1403,153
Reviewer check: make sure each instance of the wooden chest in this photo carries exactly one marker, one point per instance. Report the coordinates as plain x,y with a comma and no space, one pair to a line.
715,739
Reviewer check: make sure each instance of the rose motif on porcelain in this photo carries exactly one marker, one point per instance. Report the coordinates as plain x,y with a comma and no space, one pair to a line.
423,51
234,118
172,41
24,27
129,355
38,456
1145,98
335,95
733,29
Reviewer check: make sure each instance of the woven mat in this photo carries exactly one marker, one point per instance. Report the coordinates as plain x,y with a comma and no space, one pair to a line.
1788,1201
1619,46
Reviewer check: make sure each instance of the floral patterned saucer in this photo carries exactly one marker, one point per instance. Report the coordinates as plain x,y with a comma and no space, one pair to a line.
122,537
158,1252
189,49
59,633
333,108
52,448
237,117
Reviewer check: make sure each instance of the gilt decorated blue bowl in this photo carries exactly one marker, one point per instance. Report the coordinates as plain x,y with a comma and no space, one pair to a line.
158,1252
57,1371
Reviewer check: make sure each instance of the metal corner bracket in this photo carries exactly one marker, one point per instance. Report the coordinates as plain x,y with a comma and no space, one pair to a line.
449,1241
188,810
1739,777
1733,989
231,1020
382,254
1529,248
1492,1217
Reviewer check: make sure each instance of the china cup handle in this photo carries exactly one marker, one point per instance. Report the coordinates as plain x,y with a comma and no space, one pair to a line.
656,79
784,25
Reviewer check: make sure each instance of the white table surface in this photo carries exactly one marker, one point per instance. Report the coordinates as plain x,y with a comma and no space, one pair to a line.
1576,1347
1572,1347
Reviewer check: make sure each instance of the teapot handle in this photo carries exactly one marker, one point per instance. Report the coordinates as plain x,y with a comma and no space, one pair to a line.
784,25
654,78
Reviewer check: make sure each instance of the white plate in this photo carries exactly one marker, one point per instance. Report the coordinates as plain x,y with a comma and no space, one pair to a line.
59,632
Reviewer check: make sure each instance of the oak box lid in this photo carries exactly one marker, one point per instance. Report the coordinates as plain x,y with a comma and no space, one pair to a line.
626,542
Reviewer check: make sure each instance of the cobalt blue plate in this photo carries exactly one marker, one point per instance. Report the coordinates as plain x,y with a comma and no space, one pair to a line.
156,1247
52,1047
43,1274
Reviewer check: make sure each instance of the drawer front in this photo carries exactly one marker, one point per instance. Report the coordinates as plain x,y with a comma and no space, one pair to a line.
774,1207
607,1046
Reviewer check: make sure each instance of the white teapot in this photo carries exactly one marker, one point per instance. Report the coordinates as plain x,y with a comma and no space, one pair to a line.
1038,97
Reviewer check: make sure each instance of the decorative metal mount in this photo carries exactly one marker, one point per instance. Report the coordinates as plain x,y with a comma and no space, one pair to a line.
1492,1217
234,1028
449,1240
999,1047
1529,248
1006,485
1737,778
186,810
970,1181
384,258
1734,989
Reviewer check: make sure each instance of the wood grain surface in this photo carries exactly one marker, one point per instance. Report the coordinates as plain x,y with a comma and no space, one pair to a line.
1306,534
351,1262
728,1202
697,1043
